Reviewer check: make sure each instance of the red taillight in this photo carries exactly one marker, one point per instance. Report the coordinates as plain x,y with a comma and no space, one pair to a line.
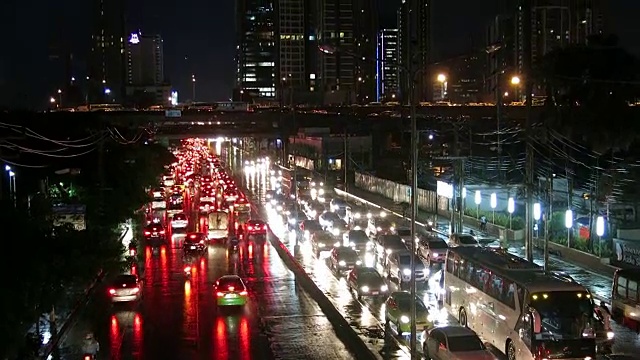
87,357
132,252
112,291
243,293
250,227
192,236
220,294
147,232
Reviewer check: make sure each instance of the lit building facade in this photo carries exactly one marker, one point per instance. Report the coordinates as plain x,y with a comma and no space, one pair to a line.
461,81
387,71
256,50
106,65
291,49
145,59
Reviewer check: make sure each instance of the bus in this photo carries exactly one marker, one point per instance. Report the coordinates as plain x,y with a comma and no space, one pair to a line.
516,306
218,225
625,297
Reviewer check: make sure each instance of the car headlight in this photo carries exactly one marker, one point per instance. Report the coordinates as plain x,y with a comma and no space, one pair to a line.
342,263
279,208
404,319
406,272
321,192
356,216
292,221
364,289
337,244
384,288
307,234
357,228
272,201
335,232
379,228
287,212
392,229
358,262
369,245
610,335
388,251
352,244
434,254
321,245
383,214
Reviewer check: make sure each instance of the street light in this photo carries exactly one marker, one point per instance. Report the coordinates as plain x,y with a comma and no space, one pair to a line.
600,232
478,200
511,207
568,223
12,183
442,79
494,204
193,88
515,80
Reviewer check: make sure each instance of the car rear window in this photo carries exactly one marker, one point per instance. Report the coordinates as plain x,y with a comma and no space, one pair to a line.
127,280
227,283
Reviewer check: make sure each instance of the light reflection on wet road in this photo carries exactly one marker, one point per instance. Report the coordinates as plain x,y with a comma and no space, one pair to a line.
178,319
367,315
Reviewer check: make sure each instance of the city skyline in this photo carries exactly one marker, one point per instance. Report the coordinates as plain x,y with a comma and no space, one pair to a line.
185,53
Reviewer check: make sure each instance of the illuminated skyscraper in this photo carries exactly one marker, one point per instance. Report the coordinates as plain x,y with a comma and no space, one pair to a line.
415,47
255,50
106,68
145,59
387,75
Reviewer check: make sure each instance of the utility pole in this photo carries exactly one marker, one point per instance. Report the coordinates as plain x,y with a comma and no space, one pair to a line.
528,245
101,180
345,166
547,220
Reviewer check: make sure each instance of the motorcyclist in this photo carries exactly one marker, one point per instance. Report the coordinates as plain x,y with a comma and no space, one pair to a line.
90,345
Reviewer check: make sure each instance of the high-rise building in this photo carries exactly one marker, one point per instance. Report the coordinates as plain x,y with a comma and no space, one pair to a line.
291,49
106,68
387,74
145,71
554,24
415,50
256,50
350,26
145,59
459,80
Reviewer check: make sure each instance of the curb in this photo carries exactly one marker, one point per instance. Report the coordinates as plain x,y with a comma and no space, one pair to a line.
75,311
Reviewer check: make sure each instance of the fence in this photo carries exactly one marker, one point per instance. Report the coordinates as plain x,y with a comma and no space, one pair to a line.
428,200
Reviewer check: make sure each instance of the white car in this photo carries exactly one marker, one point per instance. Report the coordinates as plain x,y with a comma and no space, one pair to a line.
179,221
454,343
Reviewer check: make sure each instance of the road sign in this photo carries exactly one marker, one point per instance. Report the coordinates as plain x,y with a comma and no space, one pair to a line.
172,113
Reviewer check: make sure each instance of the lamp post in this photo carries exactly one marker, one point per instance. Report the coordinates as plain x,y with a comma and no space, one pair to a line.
511,207
478,200
537,213
12,183
568,223
60,97
600,232
515,81
494,204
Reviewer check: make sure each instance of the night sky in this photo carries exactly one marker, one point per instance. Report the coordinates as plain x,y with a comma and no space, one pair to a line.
199,38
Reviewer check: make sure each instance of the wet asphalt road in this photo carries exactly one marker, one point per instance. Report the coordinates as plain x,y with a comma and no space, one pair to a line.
367,315
178,319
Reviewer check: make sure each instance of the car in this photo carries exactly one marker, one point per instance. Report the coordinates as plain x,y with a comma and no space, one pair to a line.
397,316
454,342
366,281
206,206
309,227
399,266
433,250
256,227
338,228
358,241
388,244
327,219
322,241
336,204
179,221
344,258
195,242
379,226
155,232
405,234
463,240
230,291
125,288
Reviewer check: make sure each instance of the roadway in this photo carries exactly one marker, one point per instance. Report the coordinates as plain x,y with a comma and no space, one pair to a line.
177,318
366,316
627,341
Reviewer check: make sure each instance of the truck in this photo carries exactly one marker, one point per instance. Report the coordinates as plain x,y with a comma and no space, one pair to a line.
218,225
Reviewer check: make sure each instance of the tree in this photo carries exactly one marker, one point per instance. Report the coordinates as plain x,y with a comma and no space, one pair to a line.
588,89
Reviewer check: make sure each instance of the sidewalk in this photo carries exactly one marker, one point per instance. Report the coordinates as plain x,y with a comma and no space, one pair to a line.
598,284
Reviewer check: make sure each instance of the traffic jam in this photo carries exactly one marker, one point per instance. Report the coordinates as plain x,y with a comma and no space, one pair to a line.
197,205
474,300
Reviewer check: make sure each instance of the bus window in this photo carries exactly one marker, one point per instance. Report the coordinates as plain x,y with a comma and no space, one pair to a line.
632,290
622,287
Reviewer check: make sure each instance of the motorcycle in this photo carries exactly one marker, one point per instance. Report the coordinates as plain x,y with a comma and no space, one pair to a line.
187,271
234,245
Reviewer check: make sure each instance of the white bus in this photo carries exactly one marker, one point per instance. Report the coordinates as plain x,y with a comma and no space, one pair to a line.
516,306
218,225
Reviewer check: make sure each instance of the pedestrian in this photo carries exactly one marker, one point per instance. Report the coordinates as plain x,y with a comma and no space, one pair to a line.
483,223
